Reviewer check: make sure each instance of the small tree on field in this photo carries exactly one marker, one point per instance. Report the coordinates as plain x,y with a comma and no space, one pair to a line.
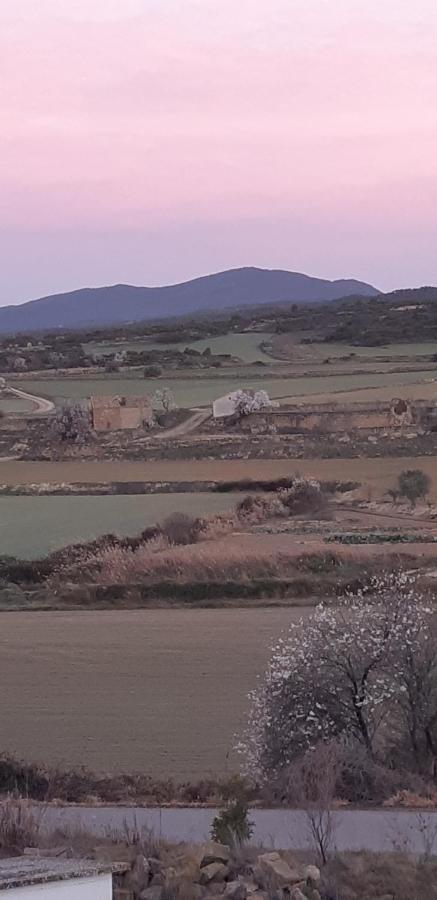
72,424
353,672
164,399
414,485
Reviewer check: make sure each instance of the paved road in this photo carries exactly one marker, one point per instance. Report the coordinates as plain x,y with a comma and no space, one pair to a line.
377,830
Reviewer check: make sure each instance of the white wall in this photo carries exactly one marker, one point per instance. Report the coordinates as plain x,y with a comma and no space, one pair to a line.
224,406
97,888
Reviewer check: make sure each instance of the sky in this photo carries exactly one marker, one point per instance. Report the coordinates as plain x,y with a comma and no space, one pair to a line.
150,141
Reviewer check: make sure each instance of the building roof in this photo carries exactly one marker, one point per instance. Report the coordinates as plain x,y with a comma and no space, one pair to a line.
19,871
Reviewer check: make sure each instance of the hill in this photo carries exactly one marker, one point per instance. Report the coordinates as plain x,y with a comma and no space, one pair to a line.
124,303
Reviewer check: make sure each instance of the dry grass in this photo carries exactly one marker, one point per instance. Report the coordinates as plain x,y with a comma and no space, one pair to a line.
371,876
19,826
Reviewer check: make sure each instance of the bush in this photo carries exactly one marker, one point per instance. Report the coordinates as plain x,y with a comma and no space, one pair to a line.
414,485
256,508
304,497
181,529
152,371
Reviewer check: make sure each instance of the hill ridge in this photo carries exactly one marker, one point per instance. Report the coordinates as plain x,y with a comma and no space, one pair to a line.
122,303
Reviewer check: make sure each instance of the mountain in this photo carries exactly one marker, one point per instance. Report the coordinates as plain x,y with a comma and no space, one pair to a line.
89,307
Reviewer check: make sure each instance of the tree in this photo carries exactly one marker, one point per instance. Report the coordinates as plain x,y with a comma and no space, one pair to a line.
72,424
414,485
247,402
352,672
165,399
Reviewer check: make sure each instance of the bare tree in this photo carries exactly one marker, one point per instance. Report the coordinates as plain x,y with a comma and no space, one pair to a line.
315,777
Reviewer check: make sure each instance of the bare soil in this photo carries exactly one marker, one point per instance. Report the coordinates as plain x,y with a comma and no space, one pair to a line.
379,474
157,691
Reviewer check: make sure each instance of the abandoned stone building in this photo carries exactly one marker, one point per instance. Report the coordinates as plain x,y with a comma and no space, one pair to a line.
119,413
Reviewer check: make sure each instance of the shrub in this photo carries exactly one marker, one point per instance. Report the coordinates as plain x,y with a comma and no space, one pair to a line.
232,825
152,371
414,485
181,529
258,508
304,497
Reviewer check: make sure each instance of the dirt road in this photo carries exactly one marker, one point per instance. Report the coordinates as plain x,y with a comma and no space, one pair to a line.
43,406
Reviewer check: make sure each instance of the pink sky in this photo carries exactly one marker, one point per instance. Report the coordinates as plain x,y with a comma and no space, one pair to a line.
149,141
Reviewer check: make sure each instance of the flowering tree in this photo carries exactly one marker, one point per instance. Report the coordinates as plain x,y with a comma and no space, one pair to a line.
72,424
165,399
251,401
348,672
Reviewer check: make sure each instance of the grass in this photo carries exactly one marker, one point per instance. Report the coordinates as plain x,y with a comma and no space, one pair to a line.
244,346
201,391
11,404
128,690
33,526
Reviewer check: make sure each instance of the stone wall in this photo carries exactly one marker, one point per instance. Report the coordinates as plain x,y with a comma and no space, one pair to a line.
119,413
332,419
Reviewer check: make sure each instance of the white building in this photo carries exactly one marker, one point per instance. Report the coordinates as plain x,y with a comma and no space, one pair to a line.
37,878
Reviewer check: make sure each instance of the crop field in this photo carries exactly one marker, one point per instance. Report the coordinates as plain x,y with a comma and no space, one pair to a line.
13,404
156,691
380,474
288,345
201,391
245,346
33,526
427,348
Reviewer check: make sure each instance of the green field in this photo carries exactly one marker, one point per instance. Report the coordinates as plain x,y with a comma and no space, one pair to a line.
15,405
33,526
201,391
245,346
324,350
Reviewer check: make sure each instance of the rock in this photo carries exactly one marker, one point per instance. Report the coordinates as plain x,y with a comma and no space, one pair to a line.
213,852
297,894
215,871
154,865
273,865
152,893
251,886
216,888
236,890
311,875
157,880
312,893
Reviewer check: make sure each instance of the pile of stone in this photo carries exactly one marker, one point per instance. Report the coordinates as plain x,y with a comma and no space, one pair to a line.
211,871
